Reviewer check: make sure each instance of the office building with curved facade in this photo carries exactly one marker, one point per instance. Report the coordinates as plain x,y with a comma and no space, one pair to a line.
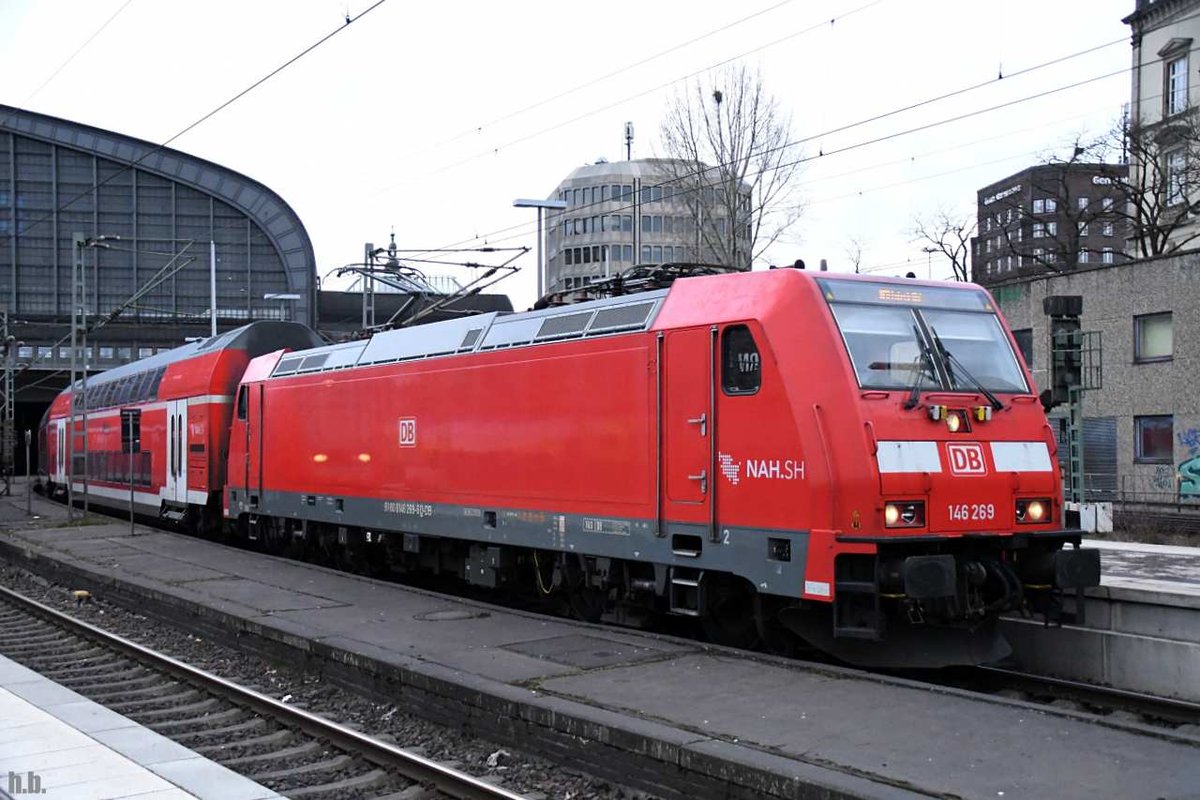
623,213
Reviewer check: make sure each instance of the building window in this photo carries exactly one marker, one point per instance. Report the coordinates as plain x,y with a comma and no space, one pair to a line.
645,254
1106,255
627,252
1083,229
1153,337
1052,229
1083,203
1107,229
1083,256
989,245
742,366
1039,206
1051,205
1177,85
1039,230
107,353
1020,234
1024,339
1153,439
1174,164
1107,204
987,225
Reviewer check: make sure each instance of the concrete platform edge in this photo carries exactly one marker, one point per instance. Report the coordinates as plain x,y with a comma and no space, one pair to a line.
638,753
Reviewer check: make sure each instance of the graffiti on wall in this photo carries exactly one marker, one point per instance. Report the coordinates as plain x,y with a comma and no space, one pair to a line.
1189,470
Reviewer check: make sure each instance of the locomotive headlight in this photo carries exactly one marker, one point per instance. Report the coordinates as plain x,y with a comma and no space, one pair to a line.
1033,511
956,420
904,514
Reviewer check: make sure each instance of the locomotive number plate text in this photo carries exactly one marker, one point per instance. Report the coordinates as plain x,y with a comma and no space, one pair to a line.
976,511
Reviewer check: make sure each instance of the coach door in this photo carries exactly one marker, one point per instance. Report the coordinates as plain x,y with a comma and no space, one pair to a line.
60,451
176,486
687,425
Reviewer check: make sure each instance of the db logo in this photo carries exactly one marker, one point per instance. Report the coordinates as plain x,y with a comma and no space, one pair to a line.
966,458
408,431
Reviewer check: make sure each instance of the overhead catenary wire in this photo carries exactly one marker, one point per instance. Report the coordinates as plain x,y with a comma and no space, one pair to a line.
193,125
599,109
698,175
606,76
74,53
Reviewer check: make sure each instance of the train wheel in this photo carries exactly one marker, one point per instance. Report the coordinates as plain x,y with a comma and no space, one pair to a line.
728,612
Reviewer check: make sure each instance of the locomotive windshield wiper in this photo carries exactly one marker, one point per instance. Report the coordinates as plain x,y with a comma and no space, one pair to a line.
914,395
951,363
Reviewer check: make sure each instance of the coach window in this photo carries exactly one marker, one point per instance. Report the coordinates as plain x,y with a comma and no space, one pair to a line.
243,401
741,371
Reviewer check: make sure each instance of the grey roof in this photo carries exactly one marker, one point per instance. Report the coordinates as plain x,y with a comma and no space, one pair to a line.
483,332
267,209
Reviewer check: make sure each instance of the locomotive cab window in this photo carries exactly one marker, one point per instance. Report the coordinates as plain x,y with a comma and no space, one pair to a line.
243,400
741,371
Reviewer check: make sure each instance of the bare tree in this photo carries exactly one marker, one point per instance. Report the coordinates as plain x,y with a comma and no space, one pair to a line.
730,158
949,234
1161,196
854,252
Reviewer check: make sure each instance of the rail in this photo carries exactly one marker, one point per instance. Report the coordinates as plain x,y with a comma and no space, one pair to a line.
445,779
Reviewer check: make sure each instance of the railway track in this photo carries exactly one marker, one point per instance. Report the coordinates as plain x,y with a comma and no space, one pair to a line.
1161,712
287,749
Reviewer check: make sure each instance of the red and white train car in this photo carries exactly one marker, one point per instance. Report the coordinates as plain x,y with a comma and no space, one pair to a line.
170,447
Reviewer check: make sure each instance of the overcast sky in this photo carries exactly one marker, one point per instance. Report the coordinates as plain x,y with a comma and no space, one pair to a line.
432,117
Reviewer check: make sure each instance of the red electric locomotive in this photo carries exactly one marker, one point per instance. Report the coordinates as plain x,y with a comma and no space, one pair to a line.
860,462
170,444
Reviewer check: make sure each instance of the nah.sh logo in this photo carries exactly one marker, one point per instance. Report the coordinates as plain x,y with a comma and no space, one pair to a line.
966,458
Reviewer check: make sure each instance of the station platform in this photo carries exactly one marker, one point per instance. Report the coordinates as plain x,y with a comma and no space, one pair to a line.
638,705
1153,567
55,743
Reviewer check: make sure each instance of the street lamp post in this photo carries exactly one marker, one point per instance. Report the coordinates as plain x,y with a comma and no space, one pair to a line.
929,251
541,206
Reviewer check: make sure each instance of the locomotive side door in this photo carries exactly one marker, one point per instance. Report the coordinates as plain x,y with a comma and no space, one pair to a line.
176,483
254,448
687,424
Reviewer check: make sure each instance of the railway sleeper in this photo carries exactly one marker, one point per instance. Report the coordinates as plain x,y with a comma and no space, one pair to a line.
175,721
328,765
109,684
101,666
247,726
275,756
150,687
266,741
152,703
367,780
